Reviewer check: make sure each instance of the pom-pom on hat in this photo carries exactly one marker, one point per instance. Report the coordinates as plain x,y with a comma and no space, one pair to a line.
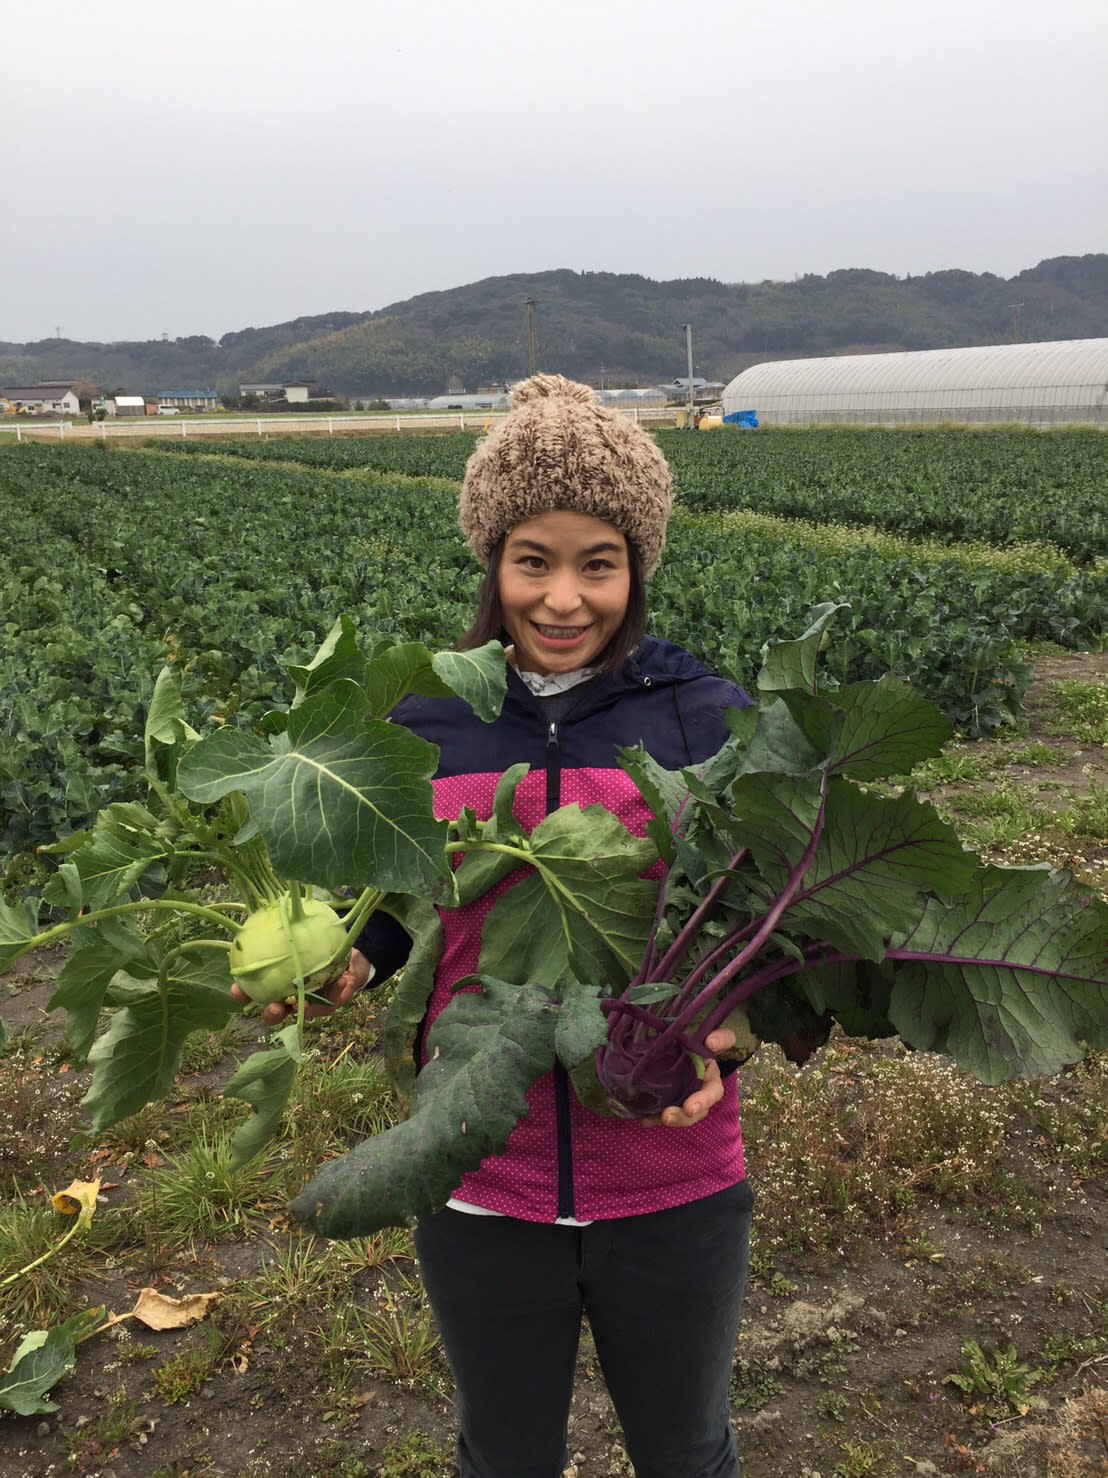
558,447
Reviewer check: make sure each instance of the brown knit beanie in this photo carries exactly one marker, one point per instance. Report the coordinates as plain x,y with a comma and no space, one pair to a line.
558,447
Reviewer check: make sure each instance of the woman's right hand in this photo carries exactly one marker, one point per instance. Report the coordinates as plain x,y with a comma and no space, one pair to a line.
340,992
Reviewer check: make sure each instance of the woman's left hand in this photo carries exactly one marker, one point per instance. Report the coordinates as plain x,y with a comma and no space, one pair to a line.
698,1104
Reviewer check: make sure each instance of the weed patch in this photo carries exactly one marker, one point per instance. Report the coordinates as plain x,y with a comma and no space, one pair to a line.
996,1385
199,1196
1084,709
845,1146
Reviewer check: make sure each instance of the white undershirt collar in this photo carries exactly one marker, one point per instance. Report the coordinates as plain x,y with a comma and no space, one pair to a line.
546,685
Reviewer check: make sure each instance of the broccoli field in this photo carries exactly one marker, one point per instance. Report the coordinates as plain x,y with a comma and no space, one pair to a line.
231,564
929,1291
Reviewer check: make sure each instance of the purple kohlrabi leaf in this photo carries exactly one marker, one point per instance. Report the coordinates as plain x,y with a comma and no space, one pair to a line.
1010,979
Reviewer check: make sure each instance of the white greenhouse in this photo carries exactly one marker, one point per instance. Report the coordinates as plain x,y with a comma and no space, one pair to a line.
1039,384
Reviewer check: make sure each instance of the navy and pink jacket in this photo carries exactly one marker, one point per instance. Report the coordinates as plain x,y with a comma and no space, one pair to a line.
563,1160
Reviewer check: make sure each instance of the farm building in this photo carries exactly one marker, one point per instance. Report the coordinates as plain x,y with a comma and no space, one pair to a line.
463,402
290,391
648,397
1039,384
127,405
54,397
191,400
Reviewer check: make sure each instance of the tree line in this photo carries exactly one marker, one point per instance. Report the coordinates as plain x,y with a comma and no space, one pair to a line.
619,328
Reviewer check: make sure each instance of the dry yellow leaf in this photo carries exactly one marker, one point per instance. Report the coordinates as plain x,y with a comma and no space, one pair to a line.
159,1311
78,1199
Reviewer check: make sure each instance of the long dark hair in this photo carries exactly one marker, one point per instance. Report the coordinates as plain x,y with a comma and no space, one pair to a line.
488,617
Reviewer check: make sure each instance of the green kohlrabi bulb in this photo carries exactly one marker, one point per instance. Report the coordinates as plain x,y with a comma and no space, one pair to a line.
262,960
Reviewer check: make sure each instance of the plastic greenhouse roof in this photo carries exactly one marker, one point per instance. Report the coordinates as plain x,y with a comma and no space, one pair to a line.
1069,362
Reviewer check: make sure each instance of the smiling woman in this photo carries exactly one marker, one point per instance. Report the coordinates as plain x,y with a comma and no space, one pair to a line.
566,505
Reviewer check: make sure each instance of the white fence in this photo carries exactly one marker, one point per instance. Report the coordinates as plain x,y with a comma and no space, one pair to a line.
263,426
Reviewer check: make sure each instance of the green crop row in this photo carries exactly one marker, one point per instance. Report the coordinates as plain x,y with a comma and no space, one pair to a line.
437,455
116,561
997,486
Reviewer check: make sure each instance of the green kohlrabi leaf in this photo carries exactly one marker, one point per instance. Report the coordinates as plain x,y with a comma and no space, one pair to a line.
478,871
64,889
793,664
339,797
479,676
135,1059
887,729
18,926
875,855
83,980
502,825
1008,980
487,1048
165,719
406,668
41,1360
108,865
412,991
263,1081
583,912
339,656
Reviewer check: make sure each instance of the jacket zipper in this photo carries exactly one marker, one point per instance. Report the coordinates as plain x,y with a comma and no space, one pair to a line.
561,1077
553,769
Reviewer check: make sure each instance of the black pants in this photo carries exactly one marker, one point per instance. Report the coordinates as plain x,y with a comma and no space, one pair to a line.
663,1294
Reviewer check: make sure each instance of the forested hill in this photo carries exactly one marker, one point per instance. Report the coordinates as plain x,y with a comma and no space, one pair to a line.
587,324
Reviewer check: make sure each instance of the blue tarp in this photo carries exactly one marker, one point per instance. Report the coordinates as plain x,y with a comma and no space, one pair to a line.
742,418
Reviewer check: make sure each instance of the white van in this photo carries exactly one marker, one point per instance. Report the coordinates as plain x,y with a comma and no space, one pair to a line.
169,410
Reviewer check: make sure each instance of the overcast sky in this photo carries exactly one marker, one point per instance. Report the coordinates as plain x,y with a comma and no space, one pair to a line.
211,165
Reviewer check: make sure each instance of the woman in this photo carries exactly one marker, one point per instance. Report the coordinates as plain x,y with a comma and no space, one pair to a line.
642,1228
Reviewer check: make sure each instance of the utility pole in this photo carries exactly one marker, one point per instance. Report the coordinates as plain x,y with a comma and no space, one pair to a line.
1015,307
531,333
689,402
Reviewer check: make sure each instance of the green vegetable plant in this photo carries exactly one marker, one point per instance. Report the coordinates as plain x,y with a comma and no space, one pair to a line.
997,1384
794,896
329,792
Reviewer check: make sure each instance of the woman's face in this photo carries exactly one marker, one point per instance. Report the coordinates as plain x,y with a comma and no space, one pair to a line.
564,582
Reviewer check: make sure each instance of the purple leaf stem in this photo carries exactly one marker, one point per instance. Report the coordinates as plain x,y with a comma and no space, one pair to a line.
647,970
704,1000
953,958
618,1007
687,937
780,969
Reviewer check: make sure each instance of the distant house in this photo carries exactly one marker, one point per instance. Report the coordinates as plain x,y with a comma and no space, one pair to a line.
464,402
292,392
678,389
263,392
190,400
51,398
130,405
